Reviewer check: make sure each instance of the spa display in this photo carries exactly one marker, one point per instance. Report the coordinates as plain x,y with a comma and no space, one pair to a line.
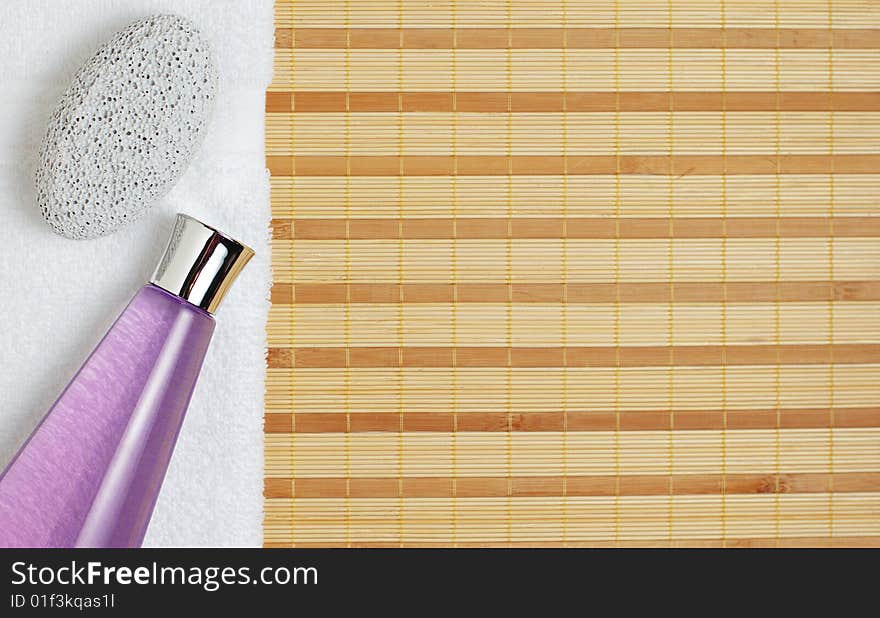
90,473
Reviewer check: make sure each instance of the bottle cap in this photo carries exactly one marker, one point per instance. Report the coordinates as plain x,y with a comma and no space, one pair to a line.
200,263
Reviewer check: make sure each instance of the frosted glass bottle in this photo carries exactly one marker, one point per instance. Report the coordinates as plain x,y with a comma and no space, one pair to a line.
90,473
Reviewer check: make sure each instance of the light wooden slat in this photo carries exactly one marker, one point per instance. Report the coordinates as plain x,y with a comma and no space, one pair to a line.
592,389
589,69
540,324
585,196
586,518
578,13
482,454
640,133
704,543
429,261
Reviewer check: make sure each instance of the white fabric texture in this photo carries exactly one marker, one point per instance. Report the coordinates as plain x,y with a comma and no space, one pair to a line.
59,296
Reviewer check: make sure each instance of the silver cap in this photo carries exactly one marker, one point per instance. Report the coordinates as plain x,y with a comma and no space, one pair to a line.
200,263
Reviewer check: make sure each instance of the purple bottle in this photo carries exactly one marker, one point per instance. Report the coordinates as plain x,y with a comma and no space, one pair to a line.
90,473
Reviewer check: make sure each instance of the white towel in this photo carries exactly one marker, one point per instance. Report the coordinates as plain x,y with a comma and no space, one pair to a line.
58,296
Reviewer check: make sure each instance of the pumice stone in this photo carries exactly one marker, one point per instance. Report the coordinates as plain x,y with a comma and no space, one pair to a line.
126,128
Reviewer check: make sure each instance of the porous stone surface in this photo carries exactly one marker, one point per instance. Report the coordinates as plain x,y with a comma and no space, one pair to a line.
127,127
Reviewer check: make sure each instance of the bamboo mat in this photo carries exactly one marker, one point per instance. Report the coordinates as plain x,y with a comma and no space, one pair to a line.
583,273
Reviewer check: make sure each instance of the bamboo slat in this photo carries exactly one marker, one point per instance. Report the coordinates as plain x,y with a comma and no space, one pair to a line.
574,273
